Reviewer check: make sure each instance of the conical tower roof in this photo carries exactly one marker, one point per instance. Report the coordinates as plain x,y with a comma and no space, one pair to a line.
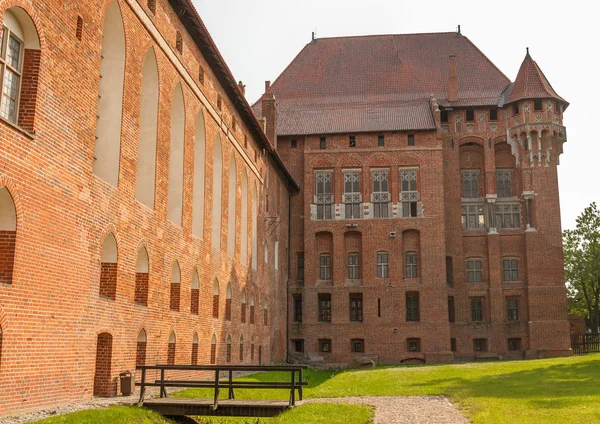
531,83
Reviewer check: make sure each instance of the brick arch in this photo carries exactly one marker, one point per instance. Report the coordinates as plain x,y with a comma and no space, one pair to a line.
141,346
471,139
380,160
110,228
16,198
411,159
109,270
104,386
27,6
322,162
352,160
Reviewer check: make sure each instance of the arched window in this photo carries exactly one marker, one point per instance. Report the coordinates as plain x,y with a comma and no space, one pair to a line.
141,278
195,349
146,166
244,217
175,287
8,236
228,349
195,296
265,313
254,229
228,303
243,311
217,193
199,164
231,215
252,309
241,348
213,350
215,311
171,349
140,353
175,199
108,268
107,149
19,68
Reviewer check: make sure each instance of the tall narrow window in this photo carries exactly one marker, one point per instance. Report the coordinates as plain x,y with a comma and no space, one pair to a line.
352,141
79,28
493,114
8,235
228,358
353,268
140,352
107,148
411,265
175,287
175,197
215,308
201,75
217,187
324,194
322,142
146,167
451,317
254,252
352,195
171,349
356,307
409,196
380,195
243,308
199,170
537,104
265,313
470,184
324,307
380,141
228,303
449,271
195,294
194,359
470,115
476,309
231,211
411,139
213,350
141,278
244,218
510,269
382,264
252,349
300,266
412,306
251,309
108,271
512,308
297,299
325,266
242,348
474,270
503,183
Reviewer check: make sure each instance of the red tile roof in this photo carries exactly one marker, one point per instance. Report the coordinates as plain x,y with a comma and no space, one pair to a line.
531,83
379,83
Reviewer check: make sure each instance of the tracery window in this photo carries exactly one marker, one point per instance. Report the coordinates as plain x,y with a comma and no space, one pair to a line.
324,194
380,195
352,195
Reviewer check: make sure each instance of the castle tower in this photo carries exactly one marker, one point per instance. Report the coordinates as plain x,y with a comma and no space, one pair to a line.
535,131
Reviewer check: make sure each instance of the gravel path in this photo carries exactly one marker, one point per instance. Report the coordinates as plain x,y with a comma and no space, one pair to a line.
405,409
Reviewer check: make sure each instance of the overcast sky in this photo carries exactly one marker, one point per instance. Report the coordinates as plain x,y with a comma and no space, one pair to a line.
259,38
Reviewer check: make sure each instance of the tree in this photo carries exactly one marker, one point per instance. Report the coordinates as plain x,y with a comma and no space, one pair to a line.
582,265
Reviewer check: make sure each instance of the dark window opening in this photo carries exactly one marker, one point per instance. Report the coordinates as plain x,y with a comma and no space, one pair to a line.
357,345
493,114
298,345
514,344
413,345
512,308
380,141
411,139
537,104
300,267
444,115
379,308
219,102
201,75
453,345
179,42
477,310
323,143
449,271
515,108
294,144
325,345
412,306
79,29
324,307
480,345
352,141
356,307
451,317
470,115
297,307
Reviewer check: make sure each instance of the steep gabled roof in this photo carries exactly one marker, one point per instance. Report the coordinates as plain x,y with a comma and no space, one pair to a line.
531,83
380,83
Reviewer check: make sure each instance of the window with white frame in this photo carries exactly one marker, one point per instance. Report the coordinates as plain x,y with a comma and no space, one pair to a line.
352,197
380,195
324,194
409,196
11,68
325,266
474,270
411,265
382,264
473,216
470,180
508,215
510,269
353,267
503,183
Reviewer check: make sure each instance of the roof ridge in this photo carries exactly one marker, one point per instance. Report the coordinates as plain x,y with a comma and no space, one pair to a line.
384,35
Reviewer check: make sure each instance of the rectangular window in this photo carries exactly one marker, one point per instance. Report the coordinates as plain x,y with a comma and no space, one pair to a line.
11,56
503,182
474,270
352,141
493,114
449,272
294,144
411,139
477,309
514,344
453,345
325,345
413,345
510,269
411,265
298,345
297,307
356,307
357,346
473,217
537,104
470,115
382,265
352,196
325,266
412,306
353,268
324,307
470,180
323,143
480,345
451,317
324,194
409,196
301,266
444,115
380,195
508,215
380,141
512,308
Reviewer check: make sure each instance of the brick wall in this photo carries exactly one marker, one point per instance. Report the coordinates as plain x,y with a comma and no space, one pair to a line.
108,280
7,255
104,384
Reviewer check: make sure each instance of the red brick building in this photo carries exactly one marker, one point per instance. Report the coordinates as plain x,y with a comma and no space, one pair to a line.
134,178
428,226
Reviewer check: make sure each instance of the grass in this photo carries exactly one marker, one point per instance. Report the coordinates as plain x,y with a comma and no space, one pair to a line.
113,415
560,390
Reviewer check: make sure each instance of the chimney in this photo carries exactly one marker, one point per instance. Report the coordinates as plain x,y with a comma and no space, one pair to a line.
267,85
269,113
453,81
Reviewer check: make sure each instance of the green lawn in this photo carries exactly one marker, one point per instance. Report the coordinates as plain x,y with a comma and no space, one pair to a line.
113,415
561,390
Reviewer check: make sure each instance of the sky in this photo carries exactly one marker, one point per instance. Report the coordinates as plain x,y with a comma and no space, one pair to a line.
259,38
